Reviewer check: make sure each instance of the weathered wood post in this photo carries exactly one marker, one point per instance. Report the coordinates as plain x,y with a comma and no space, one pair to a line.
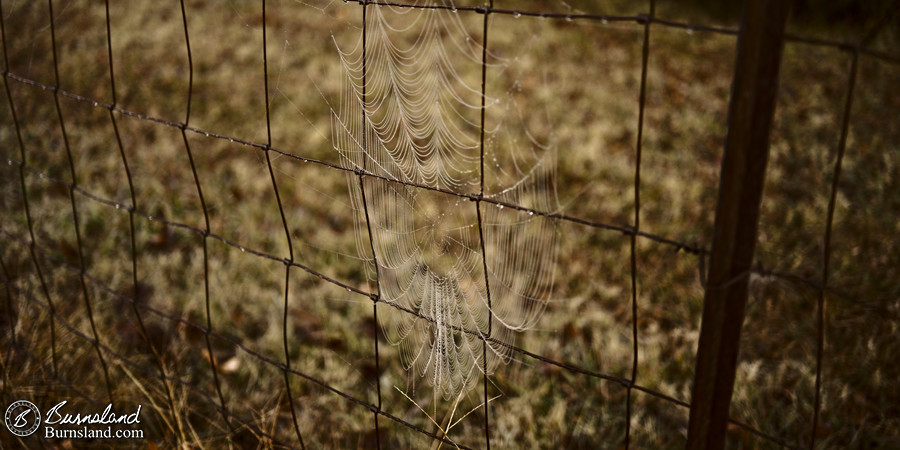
750,115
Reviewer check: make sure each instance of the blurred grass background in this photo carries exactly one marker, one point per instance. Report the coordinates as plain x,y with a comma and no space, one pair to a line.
573,83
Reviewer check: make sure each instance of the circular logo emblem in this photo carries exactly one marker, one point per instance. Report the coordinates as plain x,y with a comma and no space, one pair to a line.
22,418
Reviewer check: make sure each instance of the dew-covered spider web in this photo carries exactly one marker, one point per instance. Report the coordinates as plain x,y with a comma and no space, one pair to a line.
418,78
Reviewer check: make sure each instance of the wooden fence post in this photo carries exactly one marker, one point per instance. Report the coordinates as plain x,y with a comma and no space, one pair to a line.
750,115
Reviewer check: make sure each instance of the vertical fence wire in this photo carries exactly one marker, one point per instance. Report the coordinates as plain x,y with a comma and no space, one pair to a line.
65,136
362,189
642,100
487,284
287,234
28,218
375,300
205,231
829,221
821,310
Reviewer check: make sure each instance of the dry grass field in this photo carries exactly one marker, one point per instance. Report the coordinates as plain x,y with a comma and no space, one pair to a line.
202,301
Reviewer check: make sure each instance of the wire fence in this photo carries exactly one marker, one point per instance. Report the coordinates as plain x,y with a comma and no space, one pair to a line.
42,283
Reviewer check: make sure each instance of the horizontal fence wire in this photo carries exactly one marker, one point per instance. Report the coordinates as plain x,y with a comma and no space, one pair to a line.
759,267
41,256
